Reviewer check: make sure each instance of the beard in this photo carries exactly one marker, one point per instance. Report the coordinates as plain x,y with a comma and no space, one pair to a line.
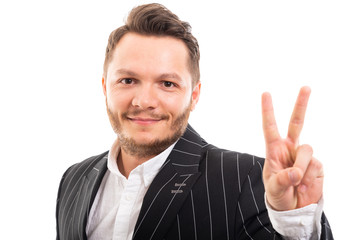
155,147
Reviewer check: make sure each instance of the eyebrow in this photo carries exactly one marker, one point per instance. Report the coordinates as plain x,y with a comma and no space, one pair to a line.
126,72
170,76
130,73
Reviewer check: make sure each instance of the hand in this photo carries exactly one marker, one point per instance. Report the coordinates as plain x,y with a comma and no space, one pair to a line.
293,178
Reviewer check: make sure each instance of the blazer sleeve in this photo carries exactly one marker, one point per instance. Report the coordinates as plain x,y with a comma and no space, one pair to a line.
59,196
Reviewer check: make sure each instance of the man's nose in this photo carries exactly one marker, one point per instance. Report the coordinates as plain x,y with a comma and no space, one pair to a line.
145,97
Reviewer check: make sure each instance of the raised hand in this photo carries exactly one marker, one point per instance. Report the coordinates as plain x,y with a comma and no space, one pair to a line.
293,178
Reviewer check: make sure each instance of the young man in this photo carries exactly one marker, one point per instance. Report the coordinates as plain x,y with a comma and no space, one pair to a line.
160,179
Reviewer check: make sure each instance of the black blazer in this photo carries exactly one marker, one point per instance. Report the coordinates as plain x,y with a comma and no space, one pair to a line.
201,192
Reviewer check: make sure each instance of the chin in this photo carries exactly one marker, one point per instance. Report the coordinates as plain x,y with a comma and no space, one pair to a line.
146,139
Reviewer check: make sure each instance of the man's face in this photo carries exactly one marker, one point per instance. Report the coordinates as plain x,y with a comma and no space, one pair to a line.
149,92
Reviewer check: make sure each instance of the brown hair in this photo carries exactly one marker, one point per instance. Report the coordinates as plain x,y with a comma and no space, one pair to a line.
156,20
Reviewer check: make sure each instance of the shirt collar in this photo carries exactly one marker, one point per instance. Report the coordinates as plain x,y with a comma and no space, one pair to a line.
147,170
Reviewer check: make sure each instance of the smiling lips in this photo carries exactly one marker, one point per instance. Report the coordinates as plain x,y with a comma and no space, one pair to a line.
144,120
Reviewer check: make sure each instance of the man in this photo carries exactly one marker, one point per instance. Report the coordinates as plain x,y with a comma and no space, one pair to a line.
160,179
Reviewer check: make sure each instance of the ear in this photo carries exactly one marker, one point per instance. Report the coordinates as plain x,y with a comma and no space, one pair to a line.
103,81
195,95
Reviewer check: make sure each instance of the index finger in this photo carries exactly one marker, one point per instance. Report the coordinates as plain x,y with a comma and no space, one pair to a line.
270,129
297,118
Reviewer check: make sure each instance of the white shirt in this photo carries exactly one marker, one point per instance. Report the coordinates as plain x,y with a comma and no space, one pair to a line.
117,204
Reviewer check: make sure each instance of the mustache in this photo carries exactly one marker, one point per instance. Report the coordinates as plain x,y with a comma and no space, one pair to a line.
147,113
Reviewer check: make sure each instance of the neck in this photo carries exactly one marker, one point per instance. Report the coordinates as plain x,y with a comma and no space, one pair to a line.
127,162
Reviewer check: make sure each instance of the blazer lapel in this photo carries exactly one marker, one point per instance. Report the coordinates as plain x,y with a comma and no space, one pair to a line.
87,193
170,187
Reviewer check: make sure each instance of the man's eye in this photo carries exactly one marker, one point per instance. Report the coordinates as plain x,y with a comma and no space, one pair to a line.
168,84
127,81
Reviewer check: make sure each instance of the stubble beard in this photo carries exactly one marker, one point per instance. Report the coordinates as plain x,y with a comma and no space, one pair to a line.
144,150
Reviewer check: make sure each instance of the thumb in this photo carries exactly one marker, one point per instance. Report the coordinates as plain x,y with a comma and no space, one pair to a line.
287,178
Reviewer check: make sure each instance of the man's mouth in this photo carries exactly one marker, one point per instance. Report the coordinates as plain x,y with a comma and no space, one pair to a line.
144,120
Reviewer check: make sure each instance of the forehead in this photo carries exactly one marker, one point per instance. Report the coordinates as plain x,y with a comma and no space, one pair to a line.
135,51
151,41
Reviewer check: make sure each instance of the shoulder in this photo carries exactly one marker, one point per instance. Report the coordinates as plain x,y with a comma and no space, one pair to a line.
231,161
214,153
74,175
83,168
89,162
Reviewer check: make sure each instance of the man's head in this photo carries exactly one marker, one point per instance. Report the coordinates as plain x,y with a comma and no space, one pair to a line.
156,20
149,81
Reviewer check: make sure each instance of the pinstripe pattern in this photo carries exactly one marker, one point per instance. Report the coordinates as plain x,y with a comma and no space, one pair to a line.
224,191
242,219
142,219
207,193
178,224
238,171
163,214
201,192
194,217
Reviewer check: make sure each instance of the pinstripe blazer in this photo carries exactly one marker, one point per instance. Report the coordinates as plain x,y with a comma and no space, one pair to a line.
201,192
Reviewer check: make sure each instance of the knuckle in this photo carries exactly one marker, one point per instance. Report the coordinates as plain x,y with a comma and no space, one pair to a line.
297,121
317,164
307,148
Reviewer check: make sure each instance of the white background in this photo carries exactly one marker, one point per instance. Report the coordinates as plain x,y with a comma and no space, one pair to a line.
53,111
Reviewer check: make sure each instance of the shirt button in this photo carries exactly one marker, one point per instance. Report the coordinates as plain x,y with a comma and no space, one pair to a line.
128,197
302,222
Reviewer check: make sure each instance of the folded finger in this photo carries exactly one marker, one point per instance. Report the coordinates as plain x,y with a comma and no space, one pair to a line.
303,157
314,171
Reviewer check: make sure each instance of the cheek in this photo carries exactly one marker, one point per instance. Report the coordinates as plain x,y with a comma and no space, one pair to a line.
118,101
176,105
